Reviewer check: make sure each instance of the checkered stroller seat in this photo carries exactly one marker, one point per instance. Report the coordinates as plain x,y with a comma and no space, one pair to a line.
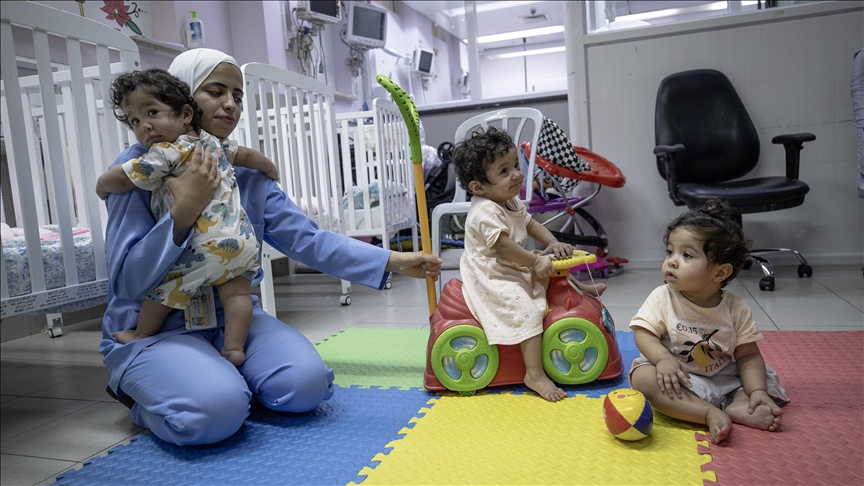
554,146
561,166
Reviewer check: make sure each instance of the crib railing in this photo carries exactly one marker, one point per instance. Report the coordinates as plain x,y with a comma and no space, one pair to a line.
59,137
384,164
290,118
297,134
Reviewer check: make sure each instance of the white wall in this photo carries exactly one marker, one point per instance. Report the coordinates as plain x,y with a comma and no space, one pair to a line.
793,76
253,31
217,18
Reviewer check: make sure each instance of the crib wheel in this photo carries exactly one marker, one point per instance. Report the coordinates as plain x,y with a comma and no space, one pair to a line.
345,300
388,285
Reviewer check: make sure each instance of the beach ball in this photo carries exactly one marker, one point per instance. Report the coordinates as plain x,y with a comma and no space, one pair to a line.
628,414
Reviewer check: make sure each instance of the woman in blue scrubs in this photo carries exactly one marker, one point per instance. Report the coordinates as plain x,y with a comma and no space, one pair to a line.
184,391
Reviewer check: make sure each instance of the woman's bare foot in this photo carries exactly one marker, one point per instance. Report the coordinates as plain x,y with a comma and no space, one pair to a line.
764,417
544,387
128,335
719,425
235,356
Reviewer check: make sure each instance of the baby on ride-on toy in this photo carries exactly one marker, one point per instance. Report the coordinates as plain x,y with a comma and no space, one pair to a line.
504,285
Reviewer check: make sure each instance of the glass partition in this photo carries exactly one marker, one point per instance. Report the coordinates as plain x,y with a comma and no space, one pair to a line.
608,15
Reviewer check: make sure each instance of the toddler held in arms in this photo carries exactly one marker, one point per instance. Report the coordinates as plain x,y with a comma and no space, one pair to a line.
223,250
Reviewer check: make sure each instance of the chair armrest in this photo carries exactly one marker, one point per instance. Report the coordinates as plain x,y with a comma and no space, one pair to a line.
793,143
794,137
667,149
666,156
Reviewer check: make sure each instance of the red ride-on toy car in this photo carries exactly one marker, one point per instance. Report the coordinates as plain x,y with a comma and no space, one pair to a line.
579,343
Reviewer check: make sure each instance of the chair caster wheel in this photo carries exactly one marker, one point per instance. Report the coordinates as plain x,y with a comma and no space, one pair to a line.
804,270
345,300
767,283
747,264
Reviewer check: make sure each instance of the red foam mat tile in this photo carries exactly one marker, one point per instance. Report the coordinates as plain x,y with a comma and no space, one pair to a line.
820,438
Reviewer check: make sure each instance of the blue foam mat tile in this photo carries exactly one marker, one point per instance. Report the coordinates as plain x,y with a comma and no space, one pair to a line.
596,389
326,446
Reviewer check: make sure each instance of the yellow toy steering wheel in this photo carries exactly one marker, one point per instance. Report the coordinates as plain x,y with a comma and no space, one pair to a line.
563,265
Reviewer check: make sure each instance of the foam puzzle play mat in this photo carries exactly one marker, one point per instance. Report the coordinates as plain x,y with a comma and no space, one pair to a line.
383,427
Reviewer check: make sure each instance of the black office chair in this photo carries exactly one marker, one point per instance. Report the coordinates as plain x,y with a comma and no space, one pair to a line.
706,142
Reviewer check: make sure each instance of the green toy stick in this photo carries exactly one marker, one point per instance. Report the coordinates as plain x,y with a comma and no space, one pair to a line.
412,120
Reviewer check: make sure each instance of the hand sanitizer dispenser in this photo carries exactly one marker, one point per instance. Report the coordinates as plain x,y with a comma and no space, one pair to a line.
194,31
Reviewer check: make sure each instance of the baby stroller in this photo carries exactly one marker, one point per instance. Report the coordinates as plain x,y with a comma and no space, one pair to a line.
560,168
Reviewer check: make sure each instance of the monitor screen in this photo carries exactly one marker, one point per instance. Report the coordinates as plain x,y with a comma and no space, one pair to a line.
329,8
367,25
424,63
319,11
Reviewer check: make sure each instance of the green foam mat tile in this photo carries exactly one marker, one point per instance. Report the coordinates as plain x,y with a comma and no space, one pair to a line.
377,357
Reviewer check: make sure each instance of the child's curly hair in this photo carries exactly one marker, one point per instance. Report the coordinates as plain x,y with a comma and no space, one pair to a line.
159,83
472,155
724,241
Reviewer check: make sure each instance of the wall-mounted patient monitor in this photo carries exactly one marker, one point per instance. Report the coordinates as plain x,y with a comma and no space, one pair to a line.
422,61
367,25
319,11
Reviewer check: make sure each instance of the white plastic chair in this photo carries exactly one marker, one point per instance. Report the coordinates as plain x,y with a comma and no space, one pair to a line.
513,121
291,119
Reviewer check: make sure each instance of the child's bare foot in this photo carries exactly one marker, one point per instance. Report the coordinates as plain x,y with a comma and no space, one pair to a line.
596,289
235,356
719,425
128,335
544,387
764,417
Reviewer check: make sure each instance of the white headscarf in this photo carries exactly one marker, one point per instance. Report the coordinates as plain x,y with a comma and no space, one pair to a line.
193,66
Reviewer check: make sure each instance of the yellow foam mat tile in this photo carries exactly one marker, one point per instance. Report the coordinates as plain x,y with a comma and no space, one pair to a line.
522,439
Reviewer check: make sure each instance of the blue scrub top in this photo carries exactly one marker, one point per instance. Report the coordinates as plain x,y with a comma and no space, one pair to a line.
141,251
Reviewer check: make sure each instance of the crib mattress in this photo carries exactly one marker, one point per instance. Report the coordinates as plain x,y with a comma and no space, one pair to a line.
375,225
375,217
18,271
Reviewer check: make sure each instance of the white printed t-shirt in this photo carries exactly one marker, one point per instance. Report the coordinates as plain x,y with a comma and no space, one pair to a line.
702,339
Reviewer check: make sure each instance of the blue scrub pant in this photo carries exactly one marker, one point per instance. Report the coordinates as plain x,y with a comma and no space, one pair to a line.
186,393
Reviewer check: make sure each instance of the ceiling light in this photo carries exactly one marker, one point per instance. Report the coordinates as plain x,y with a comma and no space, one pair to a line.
531,53
674,11
485,7
485,39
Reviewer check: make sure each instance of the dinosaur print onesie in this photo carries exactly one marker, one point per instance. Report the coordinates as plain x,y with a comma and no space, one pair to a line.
223,245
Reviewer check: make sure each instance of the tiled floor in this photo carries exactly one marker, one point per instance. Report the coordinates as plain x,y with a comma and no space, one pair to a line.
55,413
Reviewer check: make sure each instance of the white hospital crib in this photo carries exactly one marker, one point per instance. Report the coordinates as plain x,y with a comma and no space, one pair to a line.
290,118
59,137
382,200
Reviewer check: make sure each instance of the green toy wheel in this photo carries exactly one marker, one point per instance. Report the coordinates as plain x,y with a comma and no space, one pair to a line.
574,351
463,360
